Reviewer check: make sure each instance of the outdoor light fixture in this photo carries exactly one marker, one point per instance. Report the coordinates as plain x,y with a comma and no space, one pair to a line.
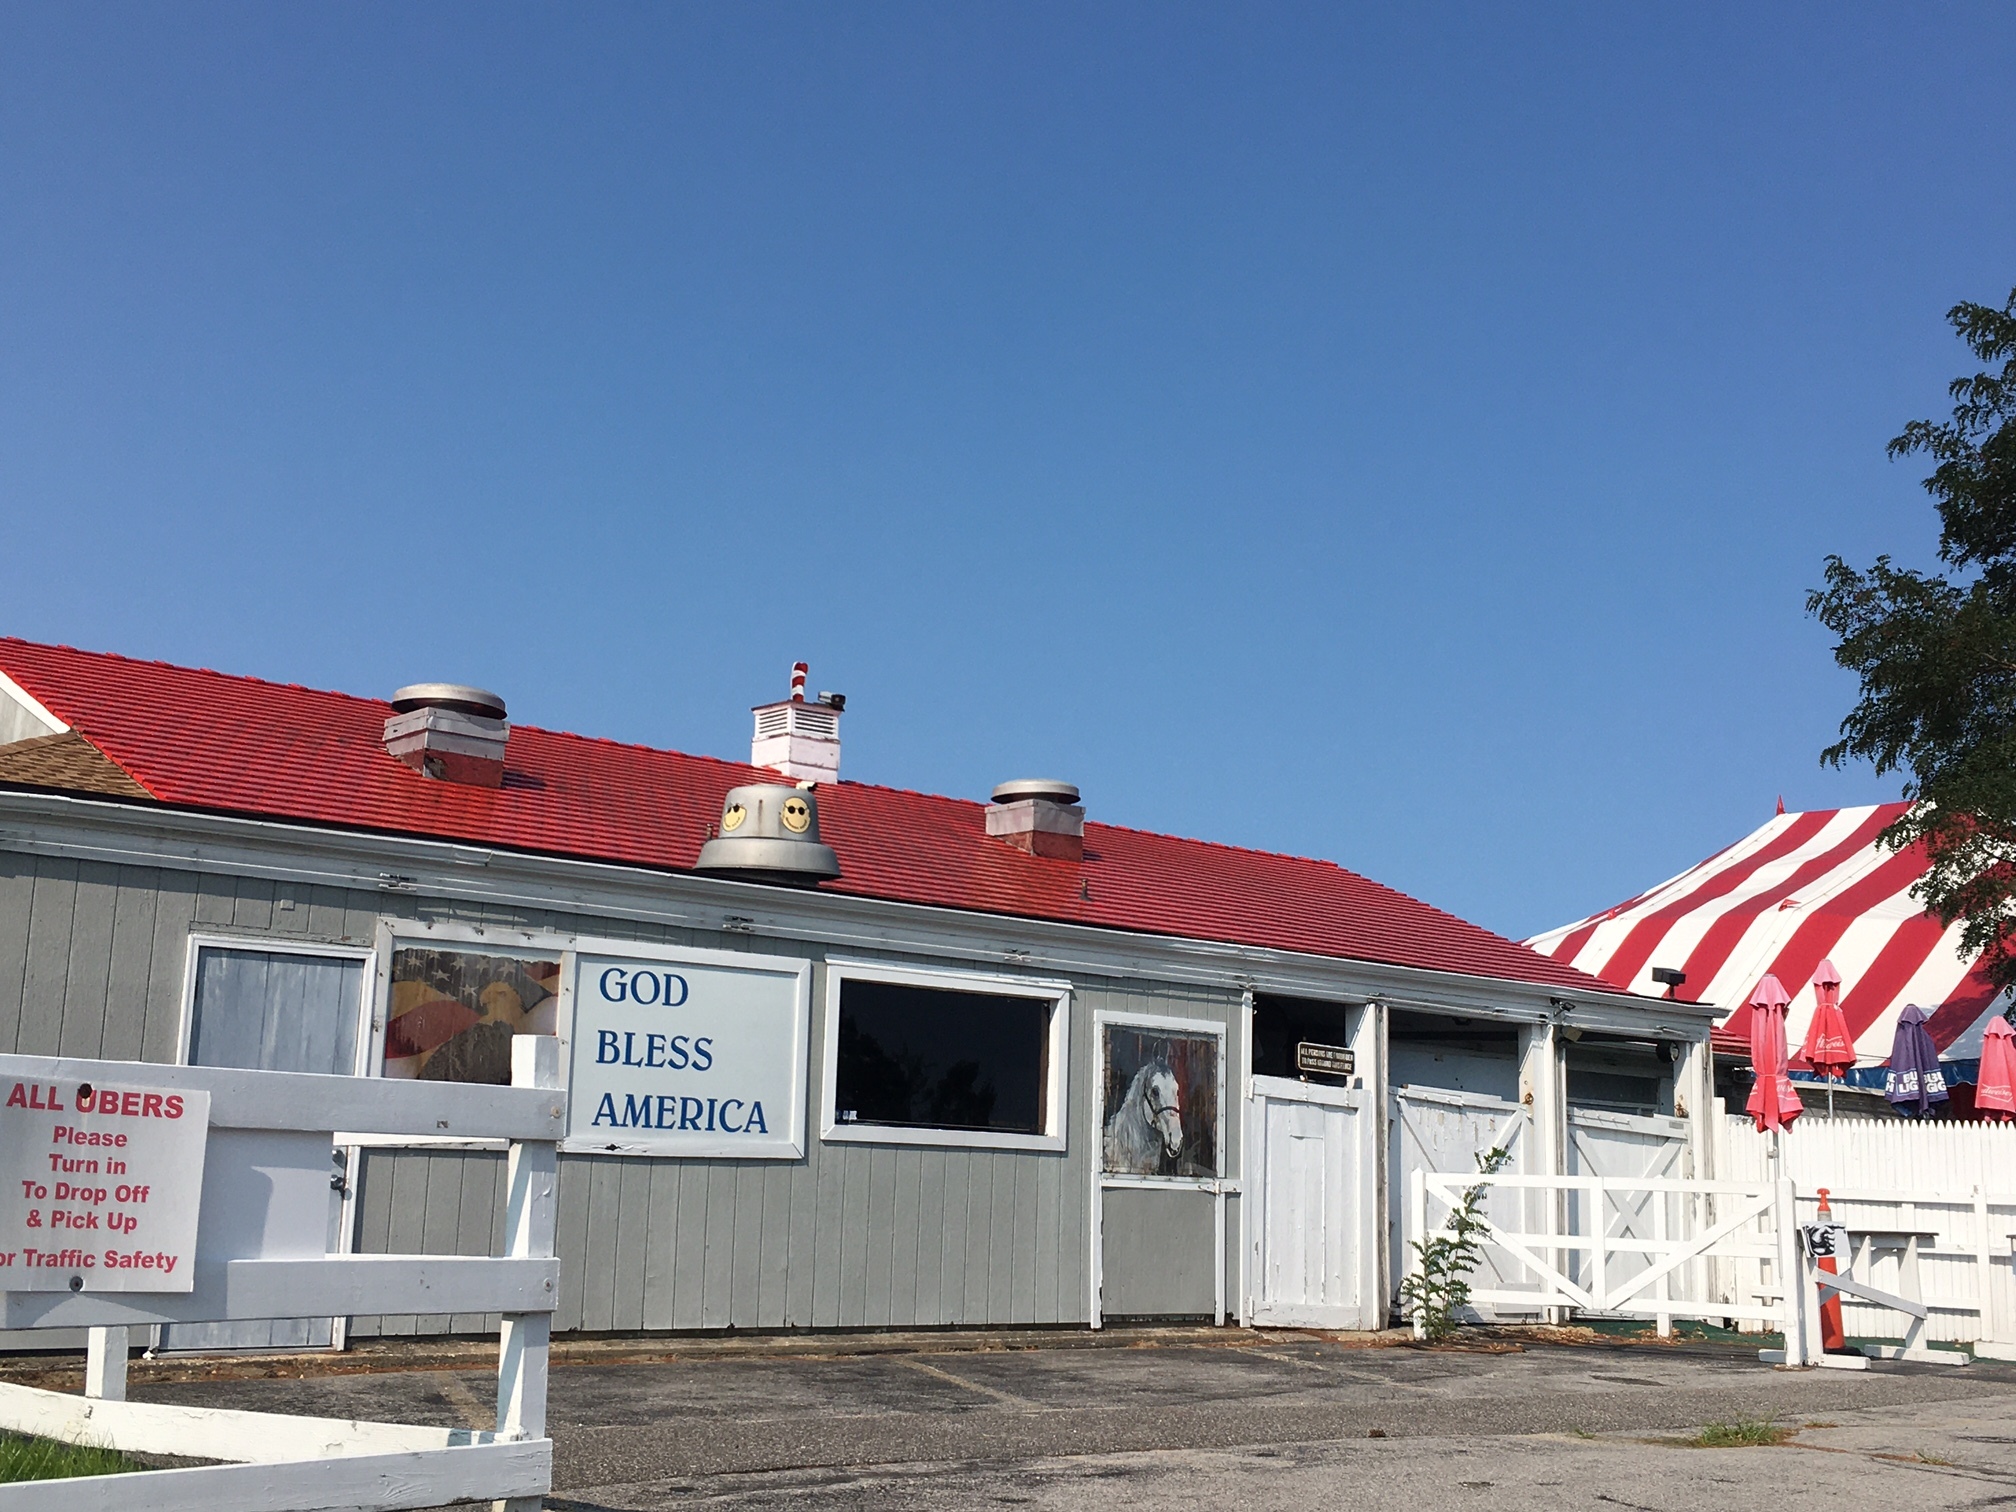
1669,978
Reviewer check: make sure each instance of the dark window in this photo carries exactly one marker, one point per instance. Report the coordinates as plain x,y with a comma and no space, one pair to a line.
1282,1023
929,1058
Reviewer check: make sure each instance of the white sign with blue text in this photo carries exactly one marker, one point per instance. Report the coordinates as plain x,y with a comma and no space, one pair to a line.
688,1053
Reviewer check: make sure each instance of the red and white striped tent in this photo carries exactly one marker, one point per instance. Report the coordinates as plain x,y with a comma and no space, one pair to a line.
1804,888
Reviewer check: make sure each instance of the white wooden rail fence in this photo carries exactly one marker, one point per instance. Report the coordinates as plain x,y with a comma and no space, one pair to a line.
1621,1247
279,1463
1931,1211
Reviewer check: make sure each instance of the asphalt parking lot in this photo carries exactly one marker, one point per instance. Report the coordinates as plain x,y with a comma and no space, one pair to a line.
1239,1420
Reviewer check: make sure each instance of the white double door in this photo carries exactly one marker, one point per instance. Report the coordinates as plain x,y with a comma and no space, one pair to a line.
1307,1250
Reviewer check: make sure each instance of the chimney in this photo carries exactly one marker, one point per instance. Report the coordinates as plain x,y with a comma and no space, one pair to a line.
1039,816
799,739
449,732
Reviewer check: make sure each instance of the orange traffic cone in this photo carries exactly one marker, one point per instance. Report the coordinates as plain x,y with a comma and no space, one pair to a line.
1832,1338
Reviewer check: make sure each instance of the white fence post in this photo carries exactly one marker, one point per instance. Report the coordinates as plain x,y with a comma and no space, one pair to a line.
1791,1275
1417,1201
532,1186
105,1364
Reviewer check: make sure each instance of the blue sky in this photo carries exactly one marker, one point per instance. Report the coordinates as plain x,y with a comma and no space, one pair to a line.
1404,435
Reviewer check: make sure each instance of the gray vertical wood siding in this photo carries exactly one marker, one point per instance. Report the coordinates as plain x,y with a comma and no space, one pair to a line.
93,961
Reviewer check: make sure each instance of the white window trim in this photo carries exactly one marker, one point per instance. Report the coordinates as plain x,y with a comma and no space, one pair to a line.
1056,1116
393,934
797,967
185,1033
498,940
1197,1028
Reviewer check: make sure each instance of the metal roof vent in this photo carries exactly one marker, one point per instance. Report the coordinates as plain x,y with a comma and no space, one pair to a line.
1041,816
449,731
770,833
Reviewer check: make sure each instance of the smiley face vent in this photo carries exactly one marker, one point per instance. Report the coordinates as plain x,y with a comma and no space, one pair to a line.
769,834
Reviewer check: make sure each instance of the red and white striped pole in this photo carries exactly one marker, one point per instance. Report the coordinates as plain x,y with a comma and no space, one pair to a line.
798,671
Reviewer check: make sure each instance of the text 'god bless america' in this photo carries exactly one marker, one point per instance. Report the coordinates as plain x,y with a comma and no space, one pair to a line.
673,1055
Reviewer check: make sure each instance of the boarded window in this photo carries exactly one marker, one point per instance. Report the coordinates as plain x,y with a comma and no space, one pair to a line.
276,1011
932,1058
454,1012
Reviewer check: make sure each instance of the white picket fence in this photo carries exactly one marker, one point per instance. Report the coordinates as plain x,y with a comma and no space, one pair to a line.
1952,1183
279,1463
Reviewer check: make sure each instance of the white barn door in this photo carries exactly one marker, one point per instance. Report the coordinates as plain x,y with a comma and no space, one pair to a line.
1306,1260
1627,1147
1437,1129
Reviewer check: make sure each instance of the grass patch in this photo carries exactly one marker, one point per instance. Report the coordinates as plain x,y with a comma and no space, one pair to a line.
30,1459
1748,1433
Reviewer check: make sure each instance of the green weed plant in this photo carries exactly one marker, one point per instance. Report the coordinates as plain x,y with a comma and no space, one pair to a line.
1439,1287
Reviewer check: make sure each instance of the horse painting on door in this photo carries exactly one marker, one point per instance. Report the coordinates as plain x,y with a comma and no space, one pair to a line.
1161,1103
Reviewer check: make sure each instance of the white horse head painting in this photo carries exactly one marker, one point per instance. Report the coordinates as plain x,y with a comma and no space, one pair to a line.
1146,1131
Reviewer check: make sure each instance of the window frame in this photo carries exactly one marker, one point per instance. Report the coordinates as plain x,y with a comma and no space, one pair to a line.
493,940
1056,1121
1191,1028
199,941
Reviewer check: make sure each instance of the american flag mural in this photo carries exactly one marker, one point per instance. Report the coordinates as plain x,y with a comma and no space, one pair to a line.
1802,889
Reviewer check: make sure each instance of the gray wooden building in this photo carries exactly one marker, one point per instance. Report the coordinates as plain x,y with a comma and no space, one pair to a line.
1008,1066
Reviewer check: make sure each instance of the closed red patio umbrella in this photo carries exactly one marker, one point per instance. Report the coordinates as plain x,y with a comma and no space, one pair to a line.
1774,1102
1829,1047
1995,1088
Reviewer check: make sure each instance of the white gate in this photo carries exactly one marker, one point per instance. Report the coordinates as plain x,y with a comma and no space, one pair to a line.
1626,1148
1307,1260
1593,1264
276,1463
1433,1129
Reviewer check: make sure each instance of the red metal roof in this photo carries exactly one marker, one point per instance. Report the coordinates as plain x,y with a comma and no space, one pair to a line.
206,740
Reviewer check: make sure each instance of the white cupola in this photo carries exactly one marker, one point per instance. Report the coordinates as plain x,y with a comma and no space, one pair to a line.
797,738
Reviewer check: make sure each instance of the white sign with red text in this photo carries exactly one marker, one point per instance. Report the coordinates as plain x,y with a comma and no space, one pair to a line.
100,1186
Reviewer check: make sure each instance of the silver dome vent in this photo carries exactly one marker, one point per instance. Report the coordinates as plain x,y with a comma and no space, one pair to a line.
1039,815
770,833
450,732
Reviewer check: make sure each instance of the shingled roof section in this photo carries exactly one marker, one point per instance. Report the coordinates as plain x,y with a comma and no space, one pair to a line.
206,740
67,761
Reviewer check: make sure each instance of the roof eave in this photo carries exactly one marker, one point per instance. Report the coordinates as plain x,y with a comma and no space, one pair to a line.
200,840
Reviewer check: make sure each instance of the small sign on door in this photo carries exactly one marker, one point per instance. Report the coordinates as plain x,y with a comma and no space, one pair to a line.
1324,1060
100,1186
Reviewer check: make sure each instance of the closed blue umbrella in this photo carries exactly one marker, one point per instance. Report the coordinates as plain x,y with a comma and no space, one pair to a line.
1915,1081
